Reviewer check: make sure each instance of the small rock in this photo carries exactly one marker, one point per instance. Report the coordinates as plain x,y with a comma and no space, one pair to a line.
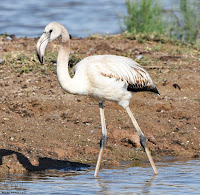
195,156
8,38
165,98
1,61
164,81
139,57
24,139
12,138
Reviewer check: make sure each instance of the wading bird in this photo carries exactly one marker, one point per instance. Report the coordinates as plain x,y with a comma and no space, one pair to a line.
103,77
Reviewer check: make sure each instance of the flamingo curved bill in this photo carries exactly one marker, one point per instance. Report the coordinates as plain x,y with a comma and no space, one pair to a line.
41,46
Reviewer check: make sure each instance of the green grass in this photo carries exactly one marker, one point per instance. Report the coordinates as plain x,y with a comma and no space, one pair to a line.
187,27
143,37
144,16
147,20
146,61
158,47
21,63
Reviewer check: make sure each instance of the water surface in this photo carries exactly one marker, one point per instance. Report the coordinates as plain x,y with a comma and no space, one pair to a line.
174,178
28,18
82,18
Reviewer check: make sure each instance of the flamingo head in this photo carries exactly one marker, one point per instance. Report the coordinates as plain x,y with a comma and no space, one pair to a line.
52,31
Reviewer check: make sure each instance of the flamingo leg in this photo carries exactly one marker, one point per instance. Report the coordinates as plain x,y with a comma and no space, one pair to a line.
143,141
103,139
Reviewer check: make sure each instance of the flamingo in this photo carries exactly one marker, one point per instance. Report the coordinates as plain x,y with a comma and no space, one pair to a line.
103,77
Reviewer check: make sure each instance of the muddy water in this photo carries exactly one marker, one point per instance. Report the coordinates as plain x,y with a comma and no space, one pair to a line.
174,177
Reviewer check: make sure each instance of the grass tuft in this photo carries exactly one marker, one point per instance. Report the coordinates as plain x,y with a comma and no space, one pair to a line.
144,16
21,63
147,17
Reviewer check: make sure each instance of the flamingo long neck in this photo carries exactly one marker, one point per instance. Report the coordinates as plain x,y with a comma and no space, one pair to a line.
62,66
76,85
66,82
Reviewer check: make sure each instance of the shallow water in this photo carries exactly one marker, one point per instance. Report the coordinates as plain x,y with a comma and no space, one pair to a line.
174,177
82,18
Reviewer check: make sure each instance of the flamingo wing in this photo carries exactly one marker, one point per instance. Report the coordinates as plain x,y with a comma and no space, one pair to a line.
127,70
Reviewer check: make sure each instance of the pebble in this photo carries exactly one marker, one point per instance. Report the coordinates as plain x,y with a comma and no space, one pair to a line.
164,81
139,57
12,138
8,38
1,60
29,81
166,98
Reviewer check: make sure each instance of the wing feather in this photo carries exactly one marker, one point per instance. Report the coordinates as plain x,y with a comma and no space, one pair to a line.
129,71
122,69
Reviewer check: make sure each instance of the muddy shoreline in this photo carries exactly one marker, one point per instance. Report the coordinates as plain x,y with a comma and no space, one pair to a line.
43,127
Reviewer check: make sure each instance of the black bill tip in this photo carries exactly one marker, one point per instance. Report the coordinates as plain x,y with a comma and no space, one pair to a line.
40,58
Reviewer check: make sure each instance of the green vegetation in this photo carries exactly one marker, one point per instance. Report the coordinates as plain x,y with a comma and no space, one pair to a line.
149,20
142,37
22,63
144,17
187,28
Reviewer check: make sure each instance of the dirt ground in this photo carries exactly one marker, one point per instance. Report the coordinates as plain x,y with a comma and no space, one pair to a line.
42,127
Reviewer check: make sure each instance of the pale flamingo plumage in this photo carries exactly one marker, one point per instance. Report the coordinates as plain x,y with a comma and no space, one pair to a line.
103,77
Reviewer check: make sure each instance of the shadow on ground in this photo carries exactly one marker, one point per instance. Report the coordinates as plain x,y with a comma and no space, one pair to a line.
44,163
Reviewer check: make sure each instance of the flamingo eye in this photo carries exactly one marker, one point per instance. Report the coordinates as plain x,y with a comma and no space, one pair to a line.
51,31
